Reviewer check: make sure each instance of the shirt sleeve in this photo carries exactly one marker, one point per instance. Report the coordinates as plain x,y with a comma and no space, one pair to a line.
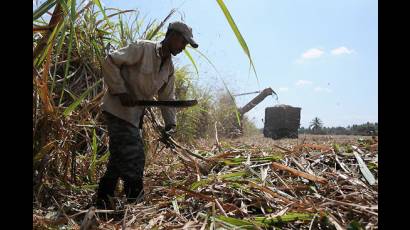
111,66
167,92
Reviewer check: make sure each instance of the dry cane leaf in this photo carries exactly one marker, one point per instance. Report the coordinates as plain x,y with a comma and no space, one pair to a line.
299,173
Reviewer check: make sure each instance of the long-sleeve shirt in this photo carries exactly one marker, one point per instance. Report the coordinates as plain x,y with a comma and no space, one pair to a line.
136,69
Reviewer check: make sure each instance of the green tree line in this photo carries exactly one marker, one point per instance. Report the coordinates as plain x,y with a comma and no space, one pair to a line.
365,129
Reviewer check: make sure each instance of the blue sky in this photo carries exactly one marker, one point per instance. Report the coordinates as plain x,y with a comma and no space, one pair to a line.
319,55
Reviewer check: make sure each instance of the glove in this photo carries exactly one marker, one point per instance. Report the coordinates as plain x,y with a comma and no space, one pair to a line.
126,99
166,134
169,130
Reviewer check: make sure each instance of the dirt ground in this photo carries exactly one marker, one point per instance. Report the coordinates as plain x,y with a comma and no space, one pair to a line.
313,185
260,140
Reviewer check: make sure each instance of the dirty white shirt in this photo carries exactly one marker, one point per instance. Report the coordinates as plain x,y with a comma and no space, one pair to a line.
135,69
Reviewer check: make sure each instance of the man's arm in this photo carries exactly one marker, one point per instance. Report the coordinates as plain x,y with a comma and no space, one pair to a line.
111,66
167,92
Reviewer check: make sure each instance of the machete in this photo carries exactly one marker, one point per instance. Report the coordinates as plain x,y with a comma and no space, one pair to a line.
169,103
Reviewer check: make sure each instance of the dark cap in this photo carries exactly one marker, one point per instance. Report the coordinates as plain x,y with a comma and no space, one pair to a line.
185,30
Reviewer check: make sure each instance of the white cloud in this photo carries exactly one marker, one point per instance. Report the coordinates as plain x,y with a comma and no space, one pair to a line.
342,50
312,53
283,89
320,89
303,83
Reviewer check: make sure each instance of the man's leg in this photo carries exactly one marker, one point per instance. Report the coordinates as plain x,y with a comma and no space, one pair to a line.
127,155
109,181
133,160
107,187
134,171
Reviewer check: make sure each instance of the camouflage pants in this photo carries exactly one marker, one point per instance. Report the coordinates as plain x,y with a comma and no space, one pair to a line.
126,160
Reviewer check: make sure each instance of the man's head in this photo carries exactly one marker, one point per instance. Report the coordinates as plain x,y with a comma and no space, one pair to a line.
178,36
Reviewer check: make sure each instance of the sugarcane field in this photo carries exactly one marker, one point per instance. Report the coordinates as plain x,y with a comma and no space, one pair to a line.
208,114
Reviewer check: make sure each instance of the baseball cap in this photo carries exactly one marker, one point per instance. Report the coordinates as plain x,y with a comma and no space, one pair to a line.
185,30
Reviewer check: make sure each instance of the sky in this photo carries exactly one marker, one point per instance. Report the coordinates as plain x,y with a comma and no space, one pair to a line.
319,55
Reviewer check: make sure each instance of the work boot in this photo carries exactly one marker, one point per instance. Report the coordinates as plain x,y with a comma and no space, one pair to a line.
106,190
134,190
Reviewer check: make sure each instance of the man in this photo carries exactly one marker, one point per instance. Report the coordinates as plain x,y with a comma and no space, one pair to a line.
137,72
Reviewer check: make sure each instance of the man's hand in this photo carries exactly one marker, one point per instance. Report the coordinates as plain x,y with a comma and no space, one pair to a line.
169,130
166,134
126,99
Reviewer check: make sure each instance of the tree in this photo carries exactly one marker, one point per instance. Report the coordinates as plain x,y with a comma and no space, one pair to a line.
316,124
